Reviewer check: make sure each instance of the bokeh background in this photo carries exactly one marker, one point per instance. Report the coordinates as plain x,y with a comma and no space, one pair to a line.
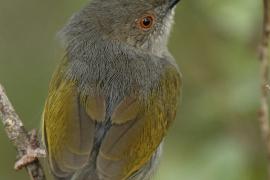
216,135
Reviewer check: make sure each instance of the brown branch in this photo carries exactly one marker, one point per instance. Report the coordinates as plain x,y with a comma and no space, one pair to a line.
26,144
264,70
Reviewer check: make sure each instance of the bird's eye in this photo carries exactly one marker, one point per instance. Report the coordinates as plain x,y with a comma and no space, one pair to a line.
146,22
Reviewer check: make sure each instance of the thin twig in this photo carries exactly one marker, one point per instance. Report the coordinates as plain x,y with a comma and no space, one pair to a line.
20,138
264,70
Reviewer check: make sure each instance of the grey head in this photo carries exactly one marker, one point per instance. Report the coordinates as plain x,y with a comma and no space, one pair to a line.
143,24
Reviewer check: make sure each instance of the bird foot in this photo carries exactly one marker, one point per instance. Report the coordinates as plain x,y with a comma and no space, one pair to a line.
33,152
31,156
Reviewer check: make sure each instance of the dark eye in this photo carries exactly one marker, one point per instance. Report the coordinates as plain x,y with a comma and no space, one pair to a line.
146,22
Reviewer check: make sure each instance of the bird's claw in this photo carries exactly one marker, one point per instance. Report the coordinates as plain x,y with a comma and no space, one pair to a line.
31,156
33,152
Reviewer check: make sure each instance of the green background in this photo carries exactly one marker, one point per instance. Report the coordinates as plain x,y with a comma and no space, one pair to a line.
216,135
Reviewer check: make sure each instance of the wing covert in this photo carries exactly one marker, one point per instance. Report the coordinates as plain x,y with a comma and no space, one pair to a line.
67,129
130,143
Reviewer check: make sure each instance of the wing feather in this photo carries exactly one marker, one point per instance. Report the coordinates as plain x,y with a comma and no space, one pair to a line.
67,129
131,142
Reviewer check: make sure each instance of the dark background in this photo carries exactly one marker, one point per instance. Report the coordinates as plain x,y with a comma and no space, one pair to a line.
216,134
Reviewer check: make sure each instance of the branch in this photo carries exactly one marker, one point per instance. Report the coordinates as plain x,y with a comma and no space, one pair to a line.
26,144
264,70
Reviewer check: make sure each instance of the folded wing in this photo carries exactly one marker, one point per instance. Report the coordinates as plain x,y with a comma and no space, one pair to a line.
138,128
68,131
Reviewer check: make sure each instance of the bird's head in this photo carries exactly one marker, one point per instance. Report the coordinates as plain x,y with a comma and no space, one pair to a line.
143,24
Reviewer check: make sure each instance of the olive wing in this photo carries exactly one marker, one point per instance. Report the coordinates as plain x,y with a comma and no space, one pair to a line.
68,131
138,129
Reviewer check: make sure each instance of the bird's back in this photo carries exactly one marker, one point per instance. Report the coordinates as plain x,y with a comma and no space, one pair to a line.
110,125
114,96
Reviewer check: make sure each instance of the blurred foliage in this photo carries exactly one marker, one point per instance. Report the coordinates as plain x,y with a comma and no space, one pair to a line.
216,134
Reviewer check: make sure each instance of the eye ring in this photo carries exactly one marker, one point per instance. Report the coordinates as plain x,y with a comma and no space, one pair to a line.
146,22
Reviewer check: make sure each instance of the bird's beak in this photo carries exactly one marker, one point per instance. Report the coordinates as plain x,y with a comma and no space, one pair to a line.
172,3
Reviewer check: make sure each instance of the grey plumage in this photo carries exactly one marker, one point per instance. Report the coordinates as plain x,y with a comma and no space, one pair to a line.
107,55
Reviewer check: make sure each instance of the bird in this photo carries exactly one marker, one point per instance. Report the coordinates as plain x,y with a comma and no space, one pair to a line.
115,92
